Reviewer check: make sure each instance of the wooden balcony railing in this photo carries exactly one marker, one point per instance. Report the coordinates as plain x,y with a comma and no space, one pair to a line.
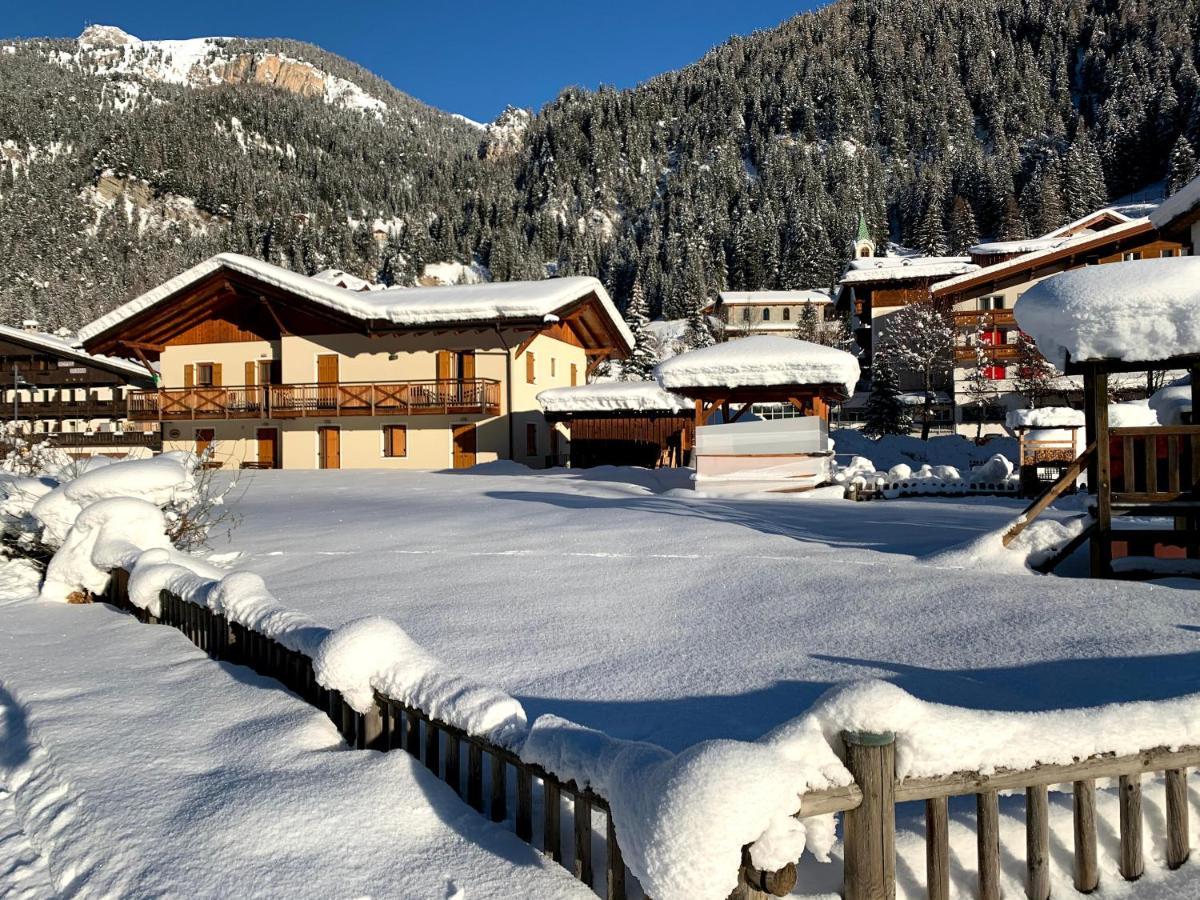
995,353
283,401
985,318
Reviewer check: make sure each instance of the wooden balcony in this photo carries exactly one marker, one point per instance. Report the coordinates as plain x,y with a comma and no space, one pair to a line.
985,319
997,354
479,396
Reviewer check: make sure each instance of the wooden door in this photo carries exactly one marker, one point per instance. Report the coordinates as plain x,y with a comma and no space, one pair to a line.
204,439
268,448
329,441
464,446
327,379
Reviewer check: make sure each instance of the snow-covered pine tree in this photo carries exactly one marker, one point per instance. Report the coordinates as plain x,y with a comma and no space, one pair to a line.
698,332
963,232
886,412
643,357
919,342
808,326
1182,166
1035,376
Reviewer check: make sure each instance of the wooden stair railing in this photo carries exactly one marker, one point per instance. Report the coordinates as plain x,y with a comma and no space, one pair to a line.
1052,493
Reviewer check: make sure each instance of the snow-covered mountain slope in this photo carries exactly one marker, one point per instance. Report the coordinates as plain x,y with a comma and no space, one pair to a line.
204,62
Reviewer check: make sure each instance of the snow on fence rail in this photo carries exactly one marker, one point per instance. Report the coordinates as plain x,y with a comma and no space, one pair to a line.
868,802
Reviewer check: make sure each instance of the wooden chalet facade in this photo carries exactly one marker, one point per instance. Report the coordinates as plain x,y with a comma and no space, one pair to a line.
982,304
56,392
274,369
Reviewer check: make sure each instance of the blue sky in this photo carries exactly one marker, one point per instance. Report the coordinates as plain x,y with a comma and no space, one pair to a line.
467,56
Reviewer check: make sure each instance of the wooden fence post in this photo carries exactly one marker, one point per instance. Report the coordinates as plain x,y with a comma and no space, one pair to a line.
870,830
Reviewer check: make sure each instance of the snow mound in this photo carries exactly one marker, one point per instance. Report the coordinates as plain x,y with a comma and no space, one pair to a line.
1171,402
1132,414
1140,311
761,360
374,653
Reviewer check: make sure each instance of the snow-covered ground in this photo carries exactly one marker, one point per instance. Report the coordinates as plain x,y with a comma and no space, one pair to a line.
620,600
133,766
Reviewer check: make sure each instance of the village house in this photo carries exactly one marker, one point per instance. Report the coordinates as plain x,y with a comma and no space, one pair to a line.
982,303
55,391
271,368
743,313
1178,218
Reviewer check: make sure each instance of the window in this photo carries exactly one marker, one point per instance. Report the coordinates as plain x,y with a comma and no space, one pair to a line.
531,440
553,367
766,315
574,374
787,314
530,368
1168,253
1129,257
745,314
995,301
395,441
207,374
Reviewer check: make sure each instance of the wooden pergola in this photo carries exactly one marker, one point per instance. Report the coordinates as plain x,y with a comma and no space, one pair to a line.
735,402
1144,471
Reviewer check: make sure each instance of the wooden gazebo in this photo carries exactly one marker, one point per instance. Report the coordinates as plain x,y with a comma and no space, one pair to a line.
1141,315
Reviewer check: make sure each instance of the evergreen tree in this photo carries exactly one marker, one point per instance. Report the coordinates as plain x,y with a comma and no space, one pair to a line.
963,232
644,357
1182,167
808,326
886,412
698,332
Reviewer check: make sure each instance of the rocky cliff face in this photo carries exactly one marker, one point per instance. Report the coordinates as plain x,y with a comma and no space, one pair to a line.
273,71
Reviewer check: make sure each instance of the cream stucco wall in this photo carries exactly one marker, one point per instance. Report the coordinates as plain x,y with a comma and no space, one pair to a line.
383,359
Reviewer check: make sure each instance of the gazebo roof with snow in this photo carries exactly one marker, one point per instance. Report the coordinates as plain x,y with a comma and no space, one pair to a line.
760,369
611,397
1119,317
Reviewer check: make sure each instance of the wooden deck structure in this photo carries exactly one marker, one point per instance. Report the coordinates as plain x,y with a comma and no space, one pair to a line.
1147,472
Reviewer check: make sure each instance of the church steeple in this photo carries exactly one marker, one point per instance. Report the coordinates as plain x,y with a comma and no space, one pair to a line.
863,245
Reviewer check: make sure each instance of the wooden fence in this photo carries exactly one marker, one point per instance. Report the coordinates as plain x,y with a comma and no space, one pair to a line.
481,776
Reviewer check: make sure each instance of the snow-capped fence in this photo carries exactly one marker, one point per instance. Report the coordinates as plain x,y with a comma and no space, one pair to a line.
393,725
868,803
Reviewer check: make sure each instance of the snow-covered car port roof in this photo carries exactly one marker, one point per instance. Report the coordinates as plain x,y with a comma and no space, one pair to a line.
761,369
146,323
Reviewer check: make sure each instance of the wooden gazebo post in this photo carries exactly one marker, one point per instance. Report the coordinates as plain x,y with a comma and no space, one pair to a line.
1095,394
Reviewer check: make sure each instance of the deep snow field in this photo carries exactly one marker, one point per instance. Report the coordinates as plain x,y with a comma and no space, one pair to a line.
619,599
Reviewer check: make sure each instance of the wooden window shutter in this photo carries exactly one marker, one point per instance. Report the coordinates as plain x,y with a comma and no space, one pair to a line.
189,376
443,365
531,440
530,368
468,365
216,370
251,368
395,440
574,374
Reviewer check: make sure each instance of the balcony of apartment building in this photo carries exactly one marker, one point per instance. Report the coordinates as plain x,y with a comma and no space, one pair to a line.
480,396
986,330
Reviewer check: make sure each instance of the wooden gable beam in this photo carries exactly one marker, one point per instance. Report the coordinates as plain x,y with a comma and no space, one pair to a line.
145,362
524,345
270,308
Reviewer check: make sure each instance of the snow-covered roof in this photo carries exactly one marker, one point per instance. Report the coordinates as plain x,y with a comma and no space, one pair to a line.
406,307
52,343
904,268
612,396
1085,222
1031,259
342,279
764,297
1046,417
759,361
1178,205
1140,311
1031,245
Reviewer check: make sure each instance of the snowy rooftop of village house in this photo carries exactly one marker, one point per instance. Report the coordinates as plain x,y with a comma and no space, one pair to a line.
1057,245
900,268
64,347
1140,311
488,302
1029,245
612,396
1182,202
759,361
752,297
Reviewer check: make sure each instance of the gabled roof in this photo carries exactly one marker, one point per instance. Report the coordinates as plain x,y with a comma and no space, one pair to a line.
57,346
772,297
1021,267
884,269
393,309
1106,218
1180,209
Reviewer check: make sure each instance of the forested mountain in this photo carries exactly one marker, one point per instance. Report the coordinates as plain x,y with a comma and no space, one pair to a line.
942,122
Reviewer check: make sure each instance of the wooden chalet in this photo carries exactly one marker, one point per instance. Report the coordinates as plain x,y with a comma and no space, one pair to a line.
77,401
271,368
623,423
